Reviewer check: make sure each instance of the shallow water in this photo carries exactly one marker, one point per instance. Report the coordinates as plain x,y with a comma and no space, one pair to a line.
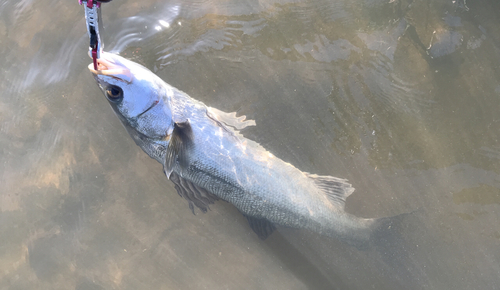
400,97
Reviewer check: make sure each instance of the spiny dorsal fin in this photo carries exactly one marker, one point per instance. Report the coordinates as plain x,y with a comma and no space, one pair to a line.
337,189
262,227
181,141
195,195
229,119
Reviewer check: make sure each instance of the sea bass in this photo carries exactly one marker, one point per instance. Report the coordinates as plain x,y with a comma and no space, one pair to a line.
205,156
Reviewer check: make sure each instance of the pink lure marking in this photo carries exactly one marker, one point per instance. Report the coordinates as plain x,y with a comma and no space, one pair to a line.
94,58
90,3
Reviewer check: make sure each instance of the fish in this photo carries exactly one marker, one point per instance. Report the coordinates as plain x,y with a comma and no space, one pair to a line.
207,158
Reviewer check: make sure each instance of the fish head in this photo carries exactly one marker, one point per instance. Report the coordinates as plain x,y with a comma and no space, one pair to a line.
141,100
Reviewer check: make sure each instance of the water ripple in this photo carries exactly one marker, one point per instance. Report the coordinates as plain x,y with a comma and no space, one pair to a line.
324,50
132,31
50,69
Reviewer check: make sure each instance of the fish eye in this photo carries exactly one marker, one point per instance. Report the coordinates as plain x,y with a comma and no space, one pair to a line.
114,93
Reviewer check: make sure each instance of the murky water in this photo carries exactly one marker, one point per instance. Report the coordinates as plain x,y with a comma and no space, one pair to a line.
400,97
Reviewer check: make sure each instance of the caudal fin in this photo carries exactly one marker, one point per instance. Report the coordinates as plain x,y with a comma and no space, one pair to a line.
375,232
365,232
387,230
391,243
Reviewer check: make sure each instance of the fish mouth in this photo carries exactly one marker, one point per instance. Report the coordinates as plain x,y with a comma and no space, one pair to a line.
106,66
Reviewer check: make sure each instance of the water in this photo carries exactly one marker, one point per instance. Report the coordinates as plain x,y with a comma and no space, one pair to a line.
400,97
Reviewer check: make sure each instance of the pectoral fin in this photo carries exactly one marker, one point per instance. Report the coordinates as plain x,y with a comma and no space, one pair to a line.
195,195
181,142
262,227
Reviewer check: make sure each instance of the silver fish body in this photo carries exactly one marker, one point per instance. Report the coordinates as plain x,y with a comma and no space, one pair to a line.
207,158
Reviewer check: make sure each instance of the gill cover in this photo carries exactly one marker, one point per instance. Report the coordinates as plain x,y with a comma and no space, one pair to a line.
139,98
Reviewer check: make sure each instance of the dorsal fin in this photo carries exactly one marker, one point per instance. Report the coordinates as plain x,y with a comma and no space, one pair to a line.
229,119
337,189
181,141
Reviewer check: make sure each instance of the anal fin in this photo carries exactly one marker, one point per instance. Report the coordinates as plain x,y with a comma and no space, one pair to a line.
262,227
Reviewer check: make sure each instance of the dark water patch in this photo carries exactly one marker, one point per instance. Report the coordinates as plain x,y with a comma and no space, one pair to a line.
45,259
302,268
483,195
87,284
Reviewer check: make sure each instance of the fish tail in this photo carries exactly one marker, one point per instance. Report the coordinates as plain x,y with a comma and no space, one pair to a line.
386,228
375,231
358,232
391,242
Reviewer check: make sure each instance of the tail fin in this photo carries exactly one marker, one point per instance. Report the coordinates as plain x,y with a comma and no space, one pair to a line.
391,242
387,230
366,233
374,232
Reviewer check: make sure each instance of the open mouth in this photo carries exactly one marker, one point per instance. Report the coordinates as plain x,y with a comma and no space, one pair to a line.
103,67
109,68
